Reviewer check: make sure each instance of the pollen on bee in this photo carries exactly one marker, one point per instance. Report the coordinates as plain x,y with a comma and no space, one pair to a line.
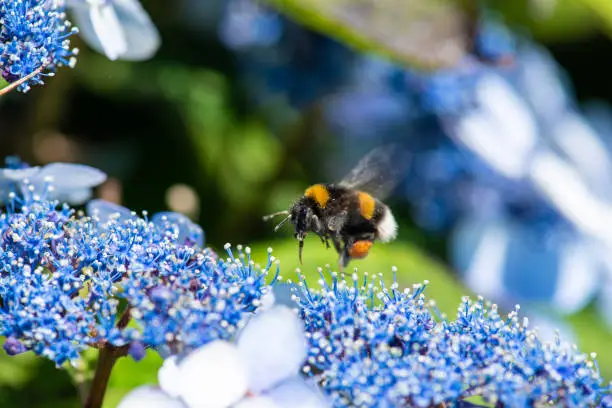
360,249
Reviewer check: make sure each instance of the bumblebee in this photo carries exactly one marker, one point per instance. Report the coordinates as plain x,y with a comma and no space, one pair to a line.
350,213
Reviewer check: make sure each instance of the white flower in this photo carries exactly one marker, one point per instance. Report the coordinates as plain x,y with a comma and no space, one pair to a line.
149,397
260,370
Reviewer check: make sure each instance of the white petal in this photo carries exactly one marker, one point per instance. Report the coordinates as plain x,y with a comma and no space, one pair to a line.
297,393
578,278
257,402
273,347
149,397
268,300
141,35
542,83
564,187
502,130
213,376
168,377
108,30
585,149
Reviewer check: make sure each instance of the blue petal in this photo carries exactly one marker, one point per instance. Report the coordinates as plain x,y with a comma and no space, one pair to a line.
12,175
72,176
364,114
507,261
74,196
542,83
187,230
604,298
105,209
283,295
298,393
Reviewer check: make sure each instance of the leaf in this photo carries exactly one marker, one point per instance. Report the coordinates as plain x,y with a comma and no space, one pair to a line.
425,34
603,8
550,20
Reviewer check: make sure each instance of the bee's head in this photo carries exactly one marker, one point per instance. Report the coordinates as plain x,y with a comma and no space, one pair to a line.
300,215
304,220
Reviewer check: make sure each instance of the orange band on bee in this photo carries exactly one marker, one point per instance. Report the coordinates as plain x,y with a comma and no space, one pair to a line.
319,193
360,249
367,205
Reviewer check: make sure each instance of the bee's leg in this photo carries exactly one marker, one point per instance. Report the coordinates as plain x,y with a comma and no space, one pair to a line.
337,244
345,256
344,260
325,240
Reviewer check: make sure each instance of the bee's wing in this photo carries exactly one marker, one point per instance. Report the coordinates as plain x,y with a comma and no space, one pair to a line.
379,171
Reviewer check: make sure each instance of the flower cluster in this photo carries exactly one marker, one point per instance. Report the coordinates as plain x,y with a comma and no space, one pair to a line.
70,281
34,39
373,346
260,369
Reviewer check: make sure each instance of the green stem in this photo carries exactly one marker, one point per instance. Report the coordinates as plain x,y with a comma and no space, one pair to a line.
26,78
107,358
106,361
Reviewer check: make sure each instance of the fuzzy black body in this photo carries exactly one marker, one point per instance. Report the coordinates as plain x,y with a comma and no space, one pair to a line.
347,212
339,214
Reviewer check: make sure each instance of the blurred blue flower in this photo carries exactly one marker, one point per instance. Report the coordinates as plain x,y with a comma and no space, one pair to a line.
69,282
34,37
261,369
500,148
279,59
119,29
373,345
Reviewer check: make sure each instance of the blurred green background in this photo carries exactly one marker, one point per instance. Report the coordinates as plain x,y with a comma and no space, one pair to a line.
178,132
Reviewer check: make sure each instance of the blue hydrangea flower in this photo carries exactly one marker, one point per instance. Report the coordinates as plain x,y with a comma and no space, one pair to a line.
34,37
69,281
261,369
119,29
373,346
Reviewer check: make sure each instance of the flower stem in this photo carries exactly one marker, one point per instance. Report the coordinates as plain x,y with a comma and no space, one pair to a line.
26,78
106,361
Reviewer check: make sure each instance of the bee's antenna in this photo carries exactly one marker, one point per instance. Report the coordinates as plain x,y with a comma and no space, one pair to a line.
270,216
282,222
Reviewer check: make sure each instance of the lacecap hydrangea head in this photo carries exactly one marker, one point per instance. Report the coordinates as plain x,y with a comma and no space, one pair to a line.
34,39
376,346
70,281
